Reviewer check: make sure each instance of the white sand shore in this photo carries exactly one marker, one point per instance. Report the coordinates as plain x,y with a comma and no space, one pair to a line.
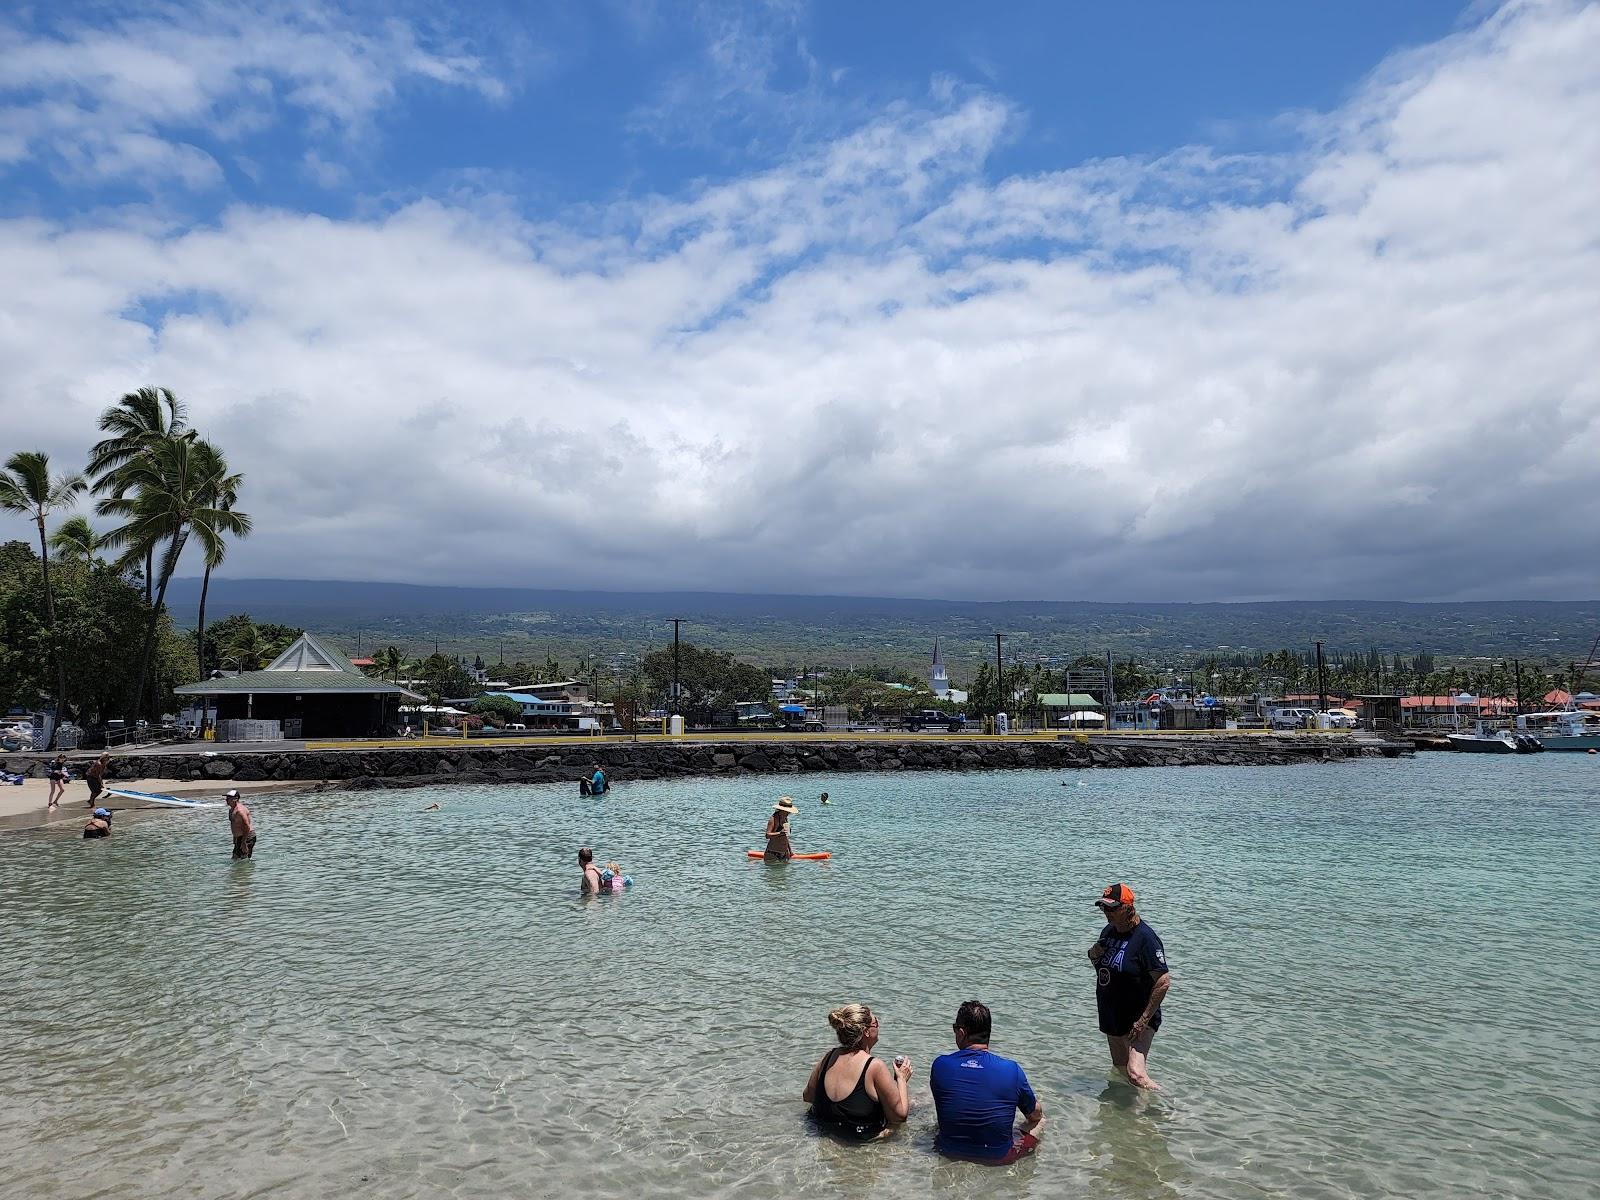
24,807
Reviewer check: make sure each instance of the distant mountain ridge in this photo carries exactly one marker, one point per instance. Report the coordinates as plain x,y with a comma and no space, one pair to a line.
525,622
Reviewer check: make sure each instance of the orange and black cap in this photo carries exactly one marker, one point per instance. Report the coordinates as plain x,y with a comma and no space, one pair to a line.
1114,897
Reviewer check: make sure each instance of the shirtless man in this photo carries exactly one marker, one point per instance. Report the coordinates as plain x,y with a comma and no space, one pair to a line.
244,829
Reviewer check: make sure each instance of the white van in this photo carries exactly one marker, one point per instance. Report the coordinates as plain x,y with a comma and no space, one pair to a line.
1292,718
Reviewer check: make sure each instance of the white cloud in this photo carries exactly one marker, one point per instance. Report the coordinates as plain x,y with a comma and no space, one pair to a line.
1363,368
121,101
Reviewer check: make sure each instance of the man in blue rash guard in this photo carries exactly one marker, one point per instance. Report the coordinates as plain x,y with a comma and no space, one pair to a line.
977,1093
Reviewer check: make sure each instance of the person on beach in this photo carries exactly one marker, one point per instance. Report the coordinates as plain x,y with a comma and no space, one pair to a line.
95,777
99,824
1131,980
977,1094
778,847
241,825
56,773
851,1093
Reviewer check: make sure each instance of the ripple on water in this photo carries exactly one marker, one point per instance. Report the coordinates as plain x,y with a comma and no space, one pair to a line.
397,1003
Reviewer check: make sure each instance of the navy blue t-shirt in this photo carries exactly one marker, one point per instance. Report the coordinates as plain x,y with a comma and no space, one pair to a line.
976,1094
1126,975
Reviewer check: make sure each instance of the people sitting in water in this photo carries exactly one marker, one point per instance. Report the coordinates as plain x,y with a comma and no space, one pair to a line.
600,879
851,1093
778,847
977,1093
99,824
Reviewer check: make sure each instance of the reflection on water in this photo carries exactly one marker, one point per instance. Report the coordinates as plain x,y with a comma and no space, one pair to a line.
402,1004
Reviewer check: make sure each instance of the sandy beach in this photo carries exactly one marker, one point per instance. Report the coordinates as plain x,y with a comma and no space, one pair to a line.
24,807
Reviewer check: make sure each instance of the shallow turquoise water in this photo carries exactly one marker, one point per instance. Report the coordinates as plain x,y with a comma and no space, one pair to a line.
1385,984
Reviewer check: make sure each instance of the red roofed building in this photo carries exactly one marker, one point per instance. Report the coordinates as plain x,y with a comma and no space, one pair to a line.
1451,711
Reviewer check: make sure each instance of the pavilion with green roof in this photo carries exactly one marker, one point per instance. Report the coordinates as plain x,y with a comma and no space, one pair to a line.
308,687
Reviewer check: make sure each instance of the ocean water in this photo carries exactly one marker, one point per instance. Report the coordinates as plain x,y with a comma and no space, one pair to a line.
1385,984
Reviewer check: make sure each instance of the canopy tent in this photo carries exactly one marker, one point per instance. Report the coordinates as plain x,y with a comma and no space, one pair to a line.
1083,716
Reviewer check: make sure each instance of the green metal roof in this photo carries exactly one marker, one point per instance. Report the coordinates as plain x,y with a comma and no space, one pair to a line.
332,672
1064,700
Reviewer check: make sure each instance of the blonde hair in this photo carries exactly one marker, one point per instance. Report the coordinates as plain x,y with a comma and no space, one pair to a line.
850,1023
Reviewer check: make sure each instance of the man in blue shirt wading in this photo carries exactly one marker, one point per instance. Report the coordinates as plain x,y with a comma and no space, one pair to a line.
977,1093
1131,980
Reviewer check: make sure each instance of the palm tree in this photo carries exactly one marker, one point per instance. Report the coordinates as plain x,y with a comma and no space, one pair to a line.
76,539
136,423
225,494
247,650
390,662
168,492
27,487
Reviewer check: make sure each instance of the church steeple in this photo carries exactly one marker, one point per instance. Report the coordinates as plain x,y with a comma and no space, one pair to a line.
937,679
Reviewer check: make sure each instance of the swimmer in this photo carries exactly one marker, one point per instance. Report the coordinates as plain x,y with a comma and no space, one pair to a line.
434,807
825,798
99,824
595,880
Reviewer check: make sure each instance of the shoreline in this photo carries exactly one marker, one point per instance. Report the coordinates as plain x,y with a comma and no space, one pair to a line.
24,807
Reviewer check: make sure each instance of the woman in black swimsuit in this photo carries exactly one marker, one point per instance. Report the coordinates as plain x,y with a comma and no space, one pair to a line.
851,1093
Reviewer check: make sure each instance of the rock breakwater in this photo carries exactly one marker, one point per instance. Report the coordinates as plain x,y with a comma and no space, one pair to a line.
664,760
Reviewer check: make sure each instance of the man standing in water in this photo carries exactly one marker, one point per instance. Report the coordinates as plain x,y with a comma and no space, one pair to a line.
1131,980
597,781
244,829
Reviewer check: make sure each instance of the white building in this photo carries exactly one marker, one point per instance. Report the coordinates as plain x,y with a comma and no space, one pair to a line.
938,681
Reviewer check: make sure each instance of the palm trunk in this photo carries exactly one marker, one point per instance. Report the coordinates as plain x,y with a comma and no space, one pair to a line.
55,646
200,641
169,563
149,573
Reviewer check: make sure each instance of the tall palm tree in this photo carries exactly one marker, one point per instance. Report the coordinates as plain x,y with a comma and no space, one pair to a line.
225,494
247,650
168,492
135,423
26,486
390,662
75,539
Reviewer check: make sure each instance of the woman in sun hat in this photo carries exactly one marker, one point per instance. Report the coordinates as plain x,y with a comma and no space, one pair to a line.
778,847
1131,980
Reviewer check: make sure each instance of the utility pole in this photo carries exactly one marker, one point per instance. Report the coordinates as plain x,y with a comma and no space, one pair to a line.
1516,665
999,676
676,621
1322,682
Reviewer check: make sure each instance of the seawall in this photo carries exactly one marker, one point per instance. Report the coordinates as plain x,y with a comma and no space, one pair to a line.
668,759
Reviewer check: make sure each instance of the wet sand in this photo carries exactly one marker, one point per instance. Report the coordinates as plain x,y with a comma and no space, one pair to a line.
24,807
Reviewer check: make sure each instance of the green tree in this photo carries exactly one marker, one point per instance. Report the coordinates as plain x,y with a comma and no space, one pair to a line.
712,681
173,488
75,540
245,647
503,707
388,663
136,424
224,496
27,487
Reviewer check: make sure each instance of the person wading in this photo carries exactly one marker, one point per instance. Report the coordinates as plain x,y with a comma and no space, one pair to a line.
778,847
1131,980
242,826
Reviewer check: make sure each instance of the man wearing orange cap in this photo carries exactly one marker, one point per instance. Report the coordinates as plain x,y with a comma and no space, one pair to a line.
1131,980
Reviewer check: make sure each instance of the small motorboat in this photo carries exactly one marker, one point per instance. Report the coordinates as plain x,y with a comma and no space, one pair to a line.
1486,739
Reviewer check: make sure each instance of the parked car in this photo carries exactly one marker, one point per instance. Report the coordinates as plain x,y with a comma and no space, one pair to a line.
1292,718
1340,718
931,718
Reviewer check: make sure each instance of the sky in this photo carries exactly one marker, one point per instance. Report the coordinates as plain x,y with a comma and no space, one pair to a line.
1165,302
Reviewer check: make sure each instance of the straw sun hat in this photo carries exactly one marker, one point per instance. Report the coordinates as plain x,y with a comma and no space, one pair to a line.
785,804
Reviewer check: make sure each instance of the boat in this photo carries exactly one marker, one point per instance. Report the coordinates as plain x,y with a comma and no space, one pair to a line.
1487,739
1561,729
